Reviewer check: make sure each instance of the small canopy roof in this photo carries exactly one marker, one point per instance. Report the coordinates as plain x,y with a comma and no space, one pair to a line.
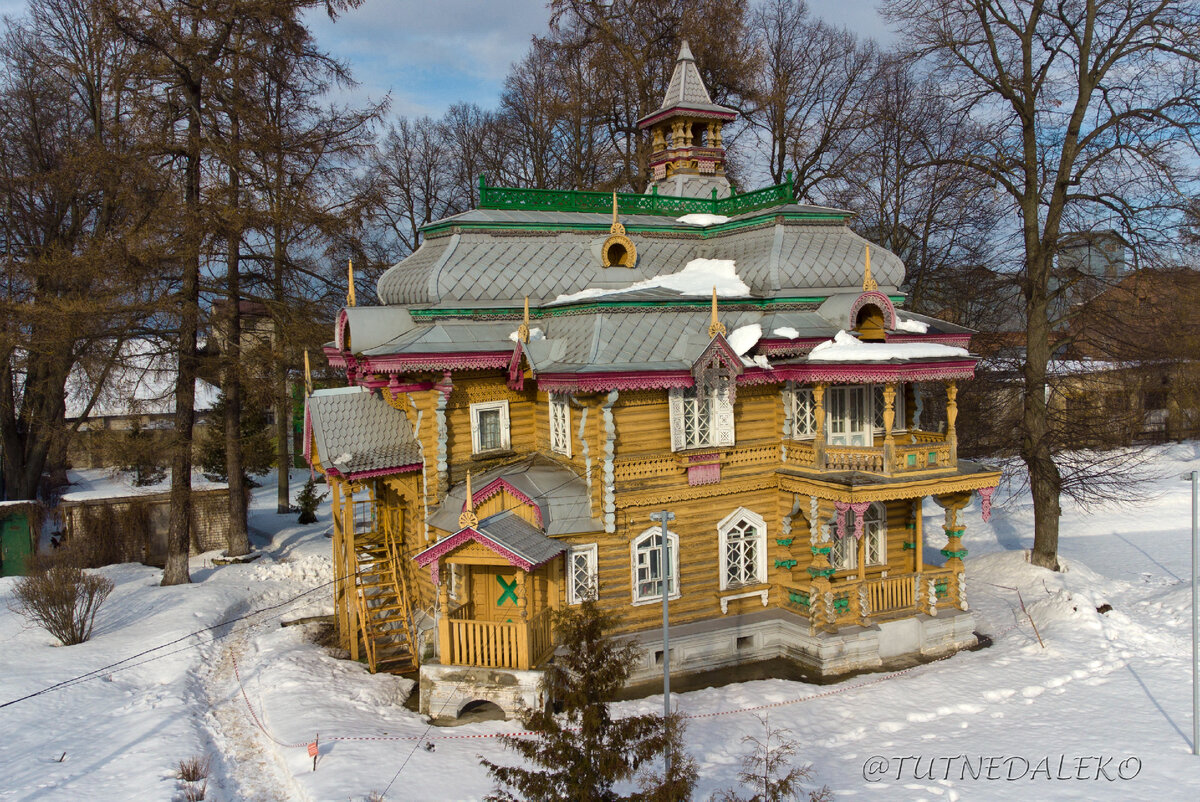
505,533
356,433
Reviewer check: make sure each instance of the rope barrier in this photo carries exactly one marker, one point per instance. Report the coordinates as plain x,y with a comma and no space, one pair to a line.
527,733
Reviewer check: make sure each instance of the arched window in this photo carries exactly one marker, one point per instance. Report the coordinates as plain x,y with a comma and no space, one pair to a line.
743,544
646,556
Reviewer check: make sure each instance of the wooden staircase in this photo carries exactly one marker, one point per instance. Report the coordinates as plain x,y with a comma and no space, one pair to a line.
385,612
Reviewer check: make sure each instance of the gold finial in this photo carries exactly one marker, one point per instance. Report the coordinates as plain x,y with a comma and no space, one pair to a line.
523,329
715,327
468,518
350,283
307,376
869,284
614,207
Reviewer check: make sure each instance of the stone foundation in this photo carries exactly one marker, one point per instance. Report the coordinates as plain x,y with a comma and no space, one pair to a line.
446,690
716,644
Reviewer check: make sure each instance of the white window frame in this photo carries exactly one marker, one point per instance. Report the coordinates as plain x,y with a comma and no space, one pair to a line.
647,543
730,523
560,425
845,419
476,432
589,552
874,535
802,412
688,406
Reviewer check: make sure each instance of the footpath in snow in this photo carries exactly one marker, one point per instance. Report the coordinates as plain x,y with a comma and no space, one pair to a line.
1101,709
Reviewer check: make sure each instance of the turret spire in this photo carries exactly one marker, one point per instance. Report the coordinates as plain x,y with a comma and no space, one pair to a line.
468,519
715,326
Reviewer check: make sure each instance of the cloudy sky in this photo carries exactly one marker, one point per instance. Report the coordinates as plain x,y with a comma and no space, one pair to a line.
431,53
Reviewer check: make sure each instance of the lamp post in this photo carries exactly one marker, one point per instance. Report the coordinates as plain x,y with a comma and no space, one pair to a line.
663,518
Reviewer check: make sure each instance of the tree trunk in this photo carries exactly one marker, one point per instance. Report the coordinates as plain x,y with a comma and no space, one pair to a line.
175,572
283,436
238,538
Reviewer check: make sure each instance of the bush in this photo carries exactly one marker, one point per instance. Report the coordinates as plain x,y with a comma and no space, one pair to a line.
769,770
195,769
308,501
59,597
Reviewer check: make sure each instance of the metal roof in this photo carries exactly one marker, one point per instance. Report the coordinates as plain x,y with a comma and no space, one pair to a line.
356,431
520,537
559,494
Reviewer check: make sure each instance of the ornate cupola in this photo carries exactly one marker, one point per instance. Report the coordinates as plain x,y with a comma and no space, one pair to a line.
688,158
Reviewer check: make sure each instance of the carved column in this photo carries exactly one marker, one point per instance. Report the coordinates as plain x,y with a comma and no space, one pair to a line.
444,623
819,419
954,552
820,595
716,142
889,418
522,621
951,419
660,139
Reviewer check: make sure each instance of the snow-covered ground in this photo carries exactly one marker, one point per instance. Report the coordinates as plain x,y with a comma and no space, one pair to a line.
1101,711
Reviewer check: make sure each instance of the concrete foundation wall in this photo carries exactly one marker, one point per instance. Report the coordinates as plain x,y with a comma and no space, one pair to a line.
446,690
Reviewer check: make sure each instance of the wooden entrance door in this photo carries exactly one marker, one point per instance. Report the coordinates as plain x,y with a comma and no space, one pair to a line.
495,593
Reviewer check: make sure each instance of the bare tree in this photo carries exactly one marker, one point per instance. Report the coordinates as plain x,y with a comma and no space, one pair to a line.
808,94
1089,107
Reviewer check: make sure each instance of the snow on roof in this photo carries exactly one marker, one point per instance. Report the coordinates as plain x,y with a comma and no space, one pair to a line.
702,219
698,278
846,347
95,483
142,382
787,331
908,324
744,338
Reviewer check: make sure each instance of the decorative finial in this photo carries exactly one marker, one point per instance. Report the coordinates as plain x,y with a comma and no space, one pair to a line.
715,326
523,329
307,376
614,207
869,284
468,519
350,283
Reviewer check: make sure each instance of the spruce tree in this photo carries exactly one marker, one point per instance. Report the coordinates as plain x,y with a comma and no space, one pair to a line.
583,752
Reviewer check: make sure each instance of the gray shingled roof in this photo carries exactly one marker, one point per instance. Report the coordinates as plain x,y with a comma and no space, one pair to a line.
787,258
520,537
357,431
687,87
560,494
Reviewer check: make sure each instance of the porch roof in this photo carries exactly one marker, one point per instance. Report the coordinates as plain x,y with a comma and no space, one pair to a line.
357,433
507,534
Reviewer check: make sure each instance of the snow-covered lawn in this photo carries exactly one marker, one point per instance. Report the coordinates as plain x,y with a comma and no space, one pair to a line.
1101,711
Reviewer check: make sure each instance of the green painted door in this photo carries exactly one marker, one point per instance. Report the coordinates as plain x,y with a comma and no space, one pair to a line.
14,546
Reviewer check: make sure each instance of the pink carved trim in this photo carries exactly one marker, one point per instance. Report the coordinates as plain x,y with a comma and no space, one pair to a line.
333,356
718,352
985,502
494,487
339,330
876,298
839,512
709,474
616,380
860,510
756,375
434,573
708,114
403,363
957,340
516,376
416,466
446,385
870,373
434,553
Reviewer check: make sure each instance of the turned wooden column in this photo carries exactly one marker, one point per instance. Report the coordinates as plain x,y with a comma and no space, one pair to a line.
953,505
951,419
818,393
889,418
523,659
820,607
444,621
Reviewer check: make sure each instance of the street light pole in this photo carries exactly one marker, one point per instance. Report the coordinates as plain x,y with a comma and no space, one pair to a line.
663,518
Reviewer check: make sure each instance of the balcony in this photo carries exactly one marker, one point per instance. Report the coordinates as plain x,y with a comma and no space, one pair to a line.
910,452
859,602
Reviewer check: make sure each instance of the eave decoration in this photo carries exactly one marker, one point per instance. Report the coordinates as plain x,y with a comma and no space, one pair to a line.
717,368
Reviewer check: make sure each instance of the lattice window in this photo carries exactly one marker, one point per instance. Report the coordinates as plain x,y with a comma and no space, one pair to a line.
743,542
648,568
700,420
489,426
844,554
581,573
803,414
875,534
560,426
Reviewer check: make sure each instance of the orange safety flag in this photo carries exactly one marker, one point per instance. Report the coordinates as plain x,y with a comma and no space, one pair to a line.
312,749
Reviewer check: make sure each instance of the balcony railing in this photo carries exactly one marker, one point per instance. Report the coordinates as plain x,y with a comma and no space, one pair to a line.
853,601
910,452
495,644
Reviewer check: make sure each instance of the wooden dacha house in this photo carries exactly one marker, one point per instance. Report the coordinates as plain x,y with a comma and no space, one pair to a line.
549,369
